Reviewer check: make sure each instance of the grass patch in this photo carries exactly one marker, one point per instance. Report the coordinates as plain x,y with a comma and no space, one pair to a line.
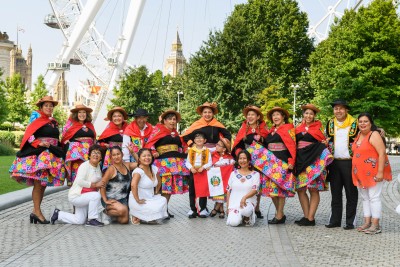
6,183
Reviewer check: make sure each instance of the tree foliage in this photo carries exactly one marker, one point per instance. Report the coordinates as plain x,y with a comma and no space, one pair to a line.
17,105
140,89
360,62
38,92
263,44
3,100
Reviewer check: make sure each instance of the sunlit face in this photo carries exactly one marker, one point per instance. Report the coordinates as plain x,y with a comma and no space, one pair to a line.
170,122
116,156
364,124
220,147
252,117
117,118
340,112
141,121
47,108
207,114
199,140
243,161
145,158
82,115
309,116
278,118
95,157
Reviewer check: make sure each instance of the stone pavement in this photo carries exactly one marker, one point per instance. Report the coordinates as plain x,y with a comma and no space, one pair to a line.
200,242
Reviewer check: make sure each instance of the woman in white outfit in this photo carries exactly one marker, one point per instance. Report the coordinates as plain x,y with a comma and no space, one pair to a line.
242,189
84,193
144,203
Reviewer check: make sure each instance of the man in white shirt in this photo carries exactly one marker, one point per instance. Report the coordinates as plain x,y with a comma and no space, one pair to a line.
341,131
136,134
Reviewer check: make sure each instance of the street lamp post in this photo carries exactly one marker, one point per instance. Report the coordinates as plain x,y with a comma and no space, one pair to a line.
179,94
295,87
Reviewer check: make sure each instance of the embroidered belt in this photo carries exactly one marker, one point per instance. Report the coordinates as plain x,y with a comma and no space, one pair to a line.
112,144
302,144
166,148
51,141
277,147
84,140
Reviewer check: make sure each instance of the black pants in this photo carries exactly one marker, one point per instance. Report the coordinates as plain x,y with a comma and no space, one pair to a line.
340,176
192,196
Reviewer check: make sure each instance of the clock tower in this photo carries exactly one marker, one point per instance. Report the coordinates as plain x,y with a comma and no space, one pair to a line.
176,61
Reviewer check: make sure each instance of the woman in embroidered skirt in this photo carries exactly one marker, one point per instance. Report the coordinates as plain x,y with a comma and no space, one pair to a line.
78,135
113,133
144,202
276,161
40,159
223,159
312,157
167,148
253,129
370,167
242,189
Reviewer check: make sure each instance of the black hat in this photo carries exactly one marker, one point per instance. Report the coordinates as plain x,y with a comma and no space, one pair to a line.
140,112
340,102
199,133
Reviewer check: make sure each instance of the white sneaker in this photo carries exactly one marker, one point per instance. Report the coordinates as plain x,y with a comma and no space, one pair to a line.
204,213
104,218
190,212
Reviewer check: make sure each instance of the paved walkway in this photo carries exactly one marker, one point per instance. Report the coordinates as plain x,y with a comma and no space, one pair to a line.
200,242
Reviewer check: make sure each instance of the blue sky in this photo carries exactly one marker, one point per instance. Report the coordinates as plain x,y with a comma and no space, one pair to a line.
193,18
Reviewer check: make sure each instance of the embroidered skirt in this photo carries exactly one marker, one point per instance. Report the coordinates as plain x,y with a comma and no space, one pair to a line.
45,167
77,153
277,180
174,175
314,176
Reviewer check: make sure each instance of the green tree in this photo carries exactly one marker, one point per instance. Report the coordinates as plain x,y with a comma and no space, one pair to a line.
39,91
61,115
140,89
263,44
3,101
360,62
18,107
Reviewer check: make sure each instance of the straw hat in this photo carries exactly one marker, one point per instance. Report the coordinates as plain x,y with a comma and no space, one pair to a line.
170,111
269,114
81,107
212,106
310,106
111,112
255,109
46,98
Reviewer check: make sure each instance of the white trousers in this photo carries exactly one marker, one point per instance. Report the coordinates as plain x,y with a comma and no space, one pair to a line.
86,207
372,204
235,216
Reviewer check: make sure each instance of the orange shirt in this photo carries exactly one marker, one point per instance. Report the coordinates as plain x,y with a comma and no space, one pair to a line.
365,163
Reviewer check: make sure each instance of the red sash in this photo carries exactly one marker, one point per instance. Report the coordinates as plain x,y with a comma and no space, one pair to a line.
314,129
73,128
262,130
35,125
113,129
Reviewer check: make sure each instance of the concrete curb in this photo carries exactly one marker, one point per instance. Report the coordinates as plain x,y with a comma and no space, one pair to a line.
15,198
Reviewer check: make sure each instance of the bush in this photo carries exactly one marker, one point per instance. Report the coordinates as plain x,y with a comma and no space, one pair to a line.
8,137
18,137
6,149
6,126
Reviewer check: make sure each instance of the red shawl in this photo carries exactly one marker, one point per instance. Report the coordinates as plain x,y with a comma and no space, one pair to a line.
314,129
287,133
159,131
202,123
34,126
72,127
112,129
133,130
262,130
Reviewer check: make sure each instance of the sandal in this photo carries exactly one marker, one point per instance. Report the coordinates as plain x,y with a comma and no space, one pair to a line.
374,229
221,215
213,213
246,222
364,227
135,221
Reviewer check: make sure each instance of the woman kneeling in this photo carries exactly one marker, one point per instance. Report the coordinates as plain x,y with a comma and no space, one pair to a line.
242,189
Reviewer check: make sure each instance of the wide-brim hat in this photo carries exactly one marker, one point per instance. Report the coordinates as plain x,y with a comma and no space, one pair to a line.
269,114
227,144
139,113
119,109
310,106
212,106
340,102
47,98
81,107
255,109
170,111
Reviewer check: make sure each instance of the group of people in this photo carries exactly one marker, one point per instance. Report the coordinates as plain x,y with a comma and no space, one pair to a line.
132,169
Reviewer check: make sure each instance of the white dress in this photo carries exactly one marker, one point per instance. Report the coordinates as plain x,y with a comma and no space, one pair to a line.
155,207
239,186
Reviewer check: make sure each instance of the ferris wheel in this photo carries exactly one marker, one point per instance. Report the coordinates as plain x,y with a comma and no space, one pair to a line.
85,45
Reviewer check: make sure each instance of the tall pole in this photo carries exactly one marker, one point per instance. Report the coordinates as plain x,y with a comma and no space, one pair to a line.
179,93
